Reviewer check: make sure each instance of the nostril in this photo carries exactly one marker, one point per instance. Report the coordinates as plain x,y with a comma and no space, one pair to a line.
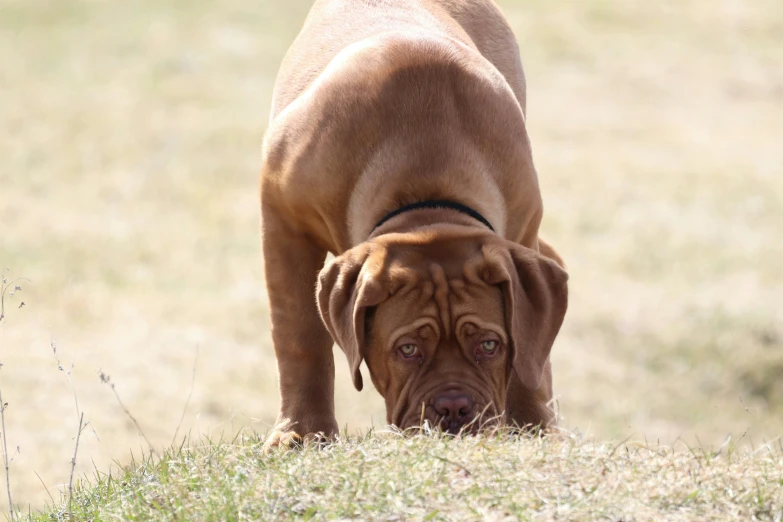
454,406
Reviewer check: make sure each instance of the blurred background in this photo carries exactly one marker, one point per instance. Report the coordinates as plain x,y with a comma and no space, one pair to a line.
130,143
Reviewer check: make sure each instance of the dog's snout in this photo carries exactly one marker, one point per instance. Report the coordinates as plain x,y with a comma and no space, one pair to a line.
455,410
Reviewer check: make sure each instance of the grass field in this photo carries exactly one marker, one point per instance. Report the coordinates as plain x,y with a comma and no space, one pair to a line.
388,477
129,152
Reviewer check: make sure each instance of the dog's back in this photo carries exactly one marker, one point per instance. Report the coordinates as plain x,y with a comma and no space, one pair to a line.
334,25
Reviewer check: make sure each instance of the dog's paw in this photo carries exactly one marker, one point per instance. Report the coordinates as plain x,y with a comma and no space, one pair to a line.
282,439
288,434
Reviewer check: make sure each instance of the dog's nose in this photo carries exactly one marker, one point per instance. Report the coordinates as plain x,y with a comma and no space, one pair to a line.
455,410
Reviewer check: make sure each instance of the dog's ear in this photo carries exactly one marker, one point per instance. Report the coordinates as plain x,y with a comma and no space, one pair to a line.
535,294
347,287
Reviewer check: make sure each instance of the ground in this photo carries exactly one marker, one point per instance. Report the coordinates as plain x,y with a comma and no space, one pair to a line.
394,478
129,153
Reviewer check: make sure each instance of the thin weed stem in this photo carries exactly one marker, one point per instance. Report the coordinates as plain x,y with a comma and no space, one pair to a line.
187,402
107,380
3,406
73,466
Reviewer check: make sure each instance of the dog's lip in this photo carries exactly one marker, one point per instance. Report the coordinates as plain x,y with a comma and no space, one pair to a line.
432,418
484,412
453,428
431,394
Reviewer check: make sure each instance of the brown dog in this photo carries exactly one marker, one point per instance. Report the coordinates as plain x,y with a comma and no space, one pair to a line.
398,143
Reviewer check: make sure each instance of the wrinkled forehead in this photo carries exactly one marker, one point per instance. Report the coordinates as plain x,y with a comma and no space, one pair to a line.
449,302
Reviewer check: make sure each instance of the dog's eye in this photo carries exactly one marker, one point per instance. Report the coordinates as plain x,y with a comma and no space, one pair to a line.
409,350
489,347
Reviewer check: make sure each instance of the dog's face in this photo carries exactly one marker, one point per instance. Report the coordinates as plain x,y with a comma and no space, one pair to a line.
442,320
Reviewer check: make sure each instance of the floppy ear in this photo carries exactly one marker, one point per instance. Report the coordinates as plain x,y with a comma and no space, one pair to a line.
347,286
535,292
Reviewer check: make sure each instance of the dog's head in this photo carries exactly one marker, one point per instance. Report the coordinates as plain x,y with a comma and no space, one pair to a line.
442,319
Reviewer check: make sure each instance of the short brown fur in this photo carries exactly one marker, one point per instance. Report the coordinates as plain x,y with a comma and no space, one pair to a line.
379,104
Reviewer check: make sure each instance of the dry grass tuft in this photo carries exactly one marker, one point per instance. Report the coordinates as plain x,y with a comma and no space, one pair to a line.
388,476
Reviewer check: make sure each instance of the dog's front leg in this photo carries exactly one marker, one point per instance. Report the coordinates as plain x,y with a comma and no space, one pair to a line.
303,346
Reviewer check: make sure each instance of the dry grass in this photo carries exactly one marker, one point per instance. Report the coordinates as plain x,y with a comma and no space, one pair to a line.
395,478
129,151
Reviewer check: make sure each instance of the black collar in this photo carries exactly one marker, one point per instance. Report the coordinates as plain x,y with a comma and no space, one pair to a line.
436,203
